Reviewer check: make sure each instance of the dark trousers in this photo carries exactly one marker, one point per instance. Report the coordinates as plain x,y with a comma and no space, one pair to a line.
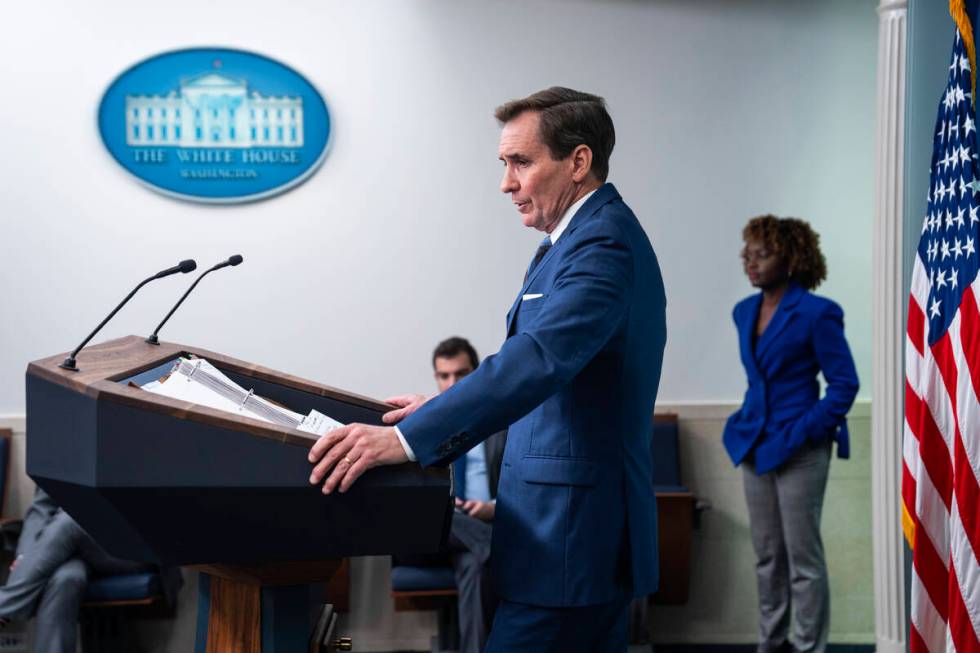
521,628
469,549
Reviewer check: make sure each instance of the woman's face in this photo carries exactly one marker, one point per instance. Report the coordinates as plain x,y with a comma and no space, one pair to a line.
764,267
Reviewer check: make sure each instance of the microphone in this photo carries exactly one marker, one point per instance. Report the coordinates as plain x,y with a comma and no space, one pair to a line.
184,266
232,260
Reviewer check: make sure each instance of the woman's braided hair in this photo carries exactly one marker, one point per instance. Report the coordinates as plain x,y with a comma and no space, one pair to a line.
796,241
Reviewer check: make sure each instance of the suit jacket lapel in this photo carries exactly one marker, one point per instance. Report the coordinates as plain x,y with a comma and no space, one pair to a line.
603,195
745,332
513,312
785,310
527,282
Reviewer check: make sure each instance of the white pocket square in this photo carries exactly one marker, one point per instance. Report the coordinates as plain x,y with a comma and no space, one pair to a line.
534,295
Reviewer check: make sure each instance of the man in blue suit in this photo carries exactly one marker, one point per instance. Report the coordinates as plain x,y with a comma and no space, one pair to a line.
575,532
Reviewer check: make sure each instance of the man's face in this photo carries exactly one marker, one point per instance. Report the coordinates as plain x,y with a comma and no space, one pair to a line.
541,187
451,370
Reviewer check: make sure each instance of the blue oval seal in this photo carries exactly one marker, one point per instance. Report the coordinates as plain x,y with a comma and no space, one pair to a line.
215,125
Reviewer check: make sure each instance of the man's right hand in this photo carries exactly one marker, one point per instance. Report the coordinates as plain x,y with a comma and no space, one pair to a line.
407,404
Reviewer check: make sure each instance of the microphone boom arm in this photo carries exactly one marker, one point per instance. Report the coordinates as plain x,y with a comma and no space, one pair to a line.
232,261
69,363
152,338
183,266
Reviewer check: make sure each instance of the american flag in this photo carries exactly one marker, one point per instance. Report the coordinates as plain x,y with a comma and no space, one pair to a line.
940,491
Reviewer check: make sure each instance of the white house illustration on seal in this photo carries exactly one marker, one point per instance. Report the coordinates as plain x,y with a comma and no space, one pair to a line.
211,110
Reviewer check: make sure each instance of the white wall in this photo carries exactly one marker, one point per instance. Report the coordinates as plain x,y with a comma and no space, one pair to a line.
723,110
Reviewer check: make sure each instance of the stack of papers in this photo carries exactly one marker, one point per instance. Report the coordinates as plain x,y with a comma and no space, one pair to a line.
200,382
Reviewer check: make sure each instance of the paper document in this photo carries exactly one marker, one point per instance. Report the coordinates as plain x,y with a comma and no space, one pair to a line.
318,423
200,382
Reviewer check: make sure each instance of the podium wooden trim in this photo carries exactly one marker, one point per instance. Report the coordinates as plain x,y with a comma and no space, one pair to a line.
102,366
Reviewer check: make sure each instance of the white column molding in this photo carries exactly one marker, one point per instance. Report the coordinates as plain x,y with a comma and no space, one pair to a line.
888,331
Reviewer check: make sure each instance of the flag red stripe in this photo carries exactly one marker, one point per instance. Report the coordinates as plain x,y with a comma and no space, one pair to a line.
970,336
916,328
932,447
960,625
908,489
914,407
916,643
967,497
942,353
931,570
912,410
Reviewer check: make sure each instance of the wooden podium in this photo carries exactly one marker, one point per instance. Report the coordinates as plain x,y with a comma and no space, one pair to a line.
165,481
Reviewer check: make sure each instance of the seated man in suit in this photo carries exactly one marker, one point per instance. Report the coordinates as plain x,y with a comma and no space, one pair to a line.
476,474
49,574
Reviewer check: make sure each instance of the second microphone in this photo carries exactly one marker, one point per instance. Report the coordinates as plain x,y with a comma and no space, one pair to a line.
231,261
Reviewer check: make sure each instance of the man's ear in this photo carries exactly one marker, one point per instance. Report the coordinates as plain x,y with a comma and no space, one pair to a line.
581,159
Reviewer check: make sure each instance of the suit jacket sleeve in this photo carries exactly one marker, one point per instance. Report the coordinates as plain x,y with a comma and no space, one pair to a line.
837,365
580,312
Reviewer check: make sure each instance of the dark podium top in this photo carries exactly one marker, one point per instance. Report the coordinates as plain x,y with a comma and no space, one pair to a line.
166,481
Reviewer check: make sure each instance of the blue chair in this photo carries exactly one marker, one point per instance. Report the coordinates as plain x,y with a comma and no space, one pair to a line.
428,583
142,588
111,601
677,512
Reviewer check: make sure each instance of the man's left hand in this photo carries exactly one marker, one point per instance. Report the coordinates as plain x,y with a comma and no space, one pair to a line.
348,451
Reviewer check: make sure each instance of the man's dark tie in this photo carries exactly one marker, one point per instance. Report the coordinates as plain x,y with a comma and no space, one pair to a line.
538,255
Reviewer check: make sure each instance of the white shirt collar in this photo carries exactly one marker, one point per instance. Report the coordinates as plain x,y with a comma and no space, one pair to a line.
567,217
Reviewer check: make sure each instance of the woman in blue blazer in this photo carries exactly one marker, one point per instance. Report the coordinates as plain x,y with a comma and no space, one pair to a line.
783,433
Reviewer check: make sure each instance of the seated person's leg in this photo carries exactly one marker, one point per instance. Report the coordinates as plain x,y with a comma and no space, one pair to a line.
57,613
469,534
36,561
472,577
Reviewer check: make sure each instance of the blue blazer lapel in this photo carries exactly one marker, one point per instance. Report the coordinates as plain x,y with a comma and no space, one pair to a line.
512,313
746,326
527,282
540,266
786,308
603,195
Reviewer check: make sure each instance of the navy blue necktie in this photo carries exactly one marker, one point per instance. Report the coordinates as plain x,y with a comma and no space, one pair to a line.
538,255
